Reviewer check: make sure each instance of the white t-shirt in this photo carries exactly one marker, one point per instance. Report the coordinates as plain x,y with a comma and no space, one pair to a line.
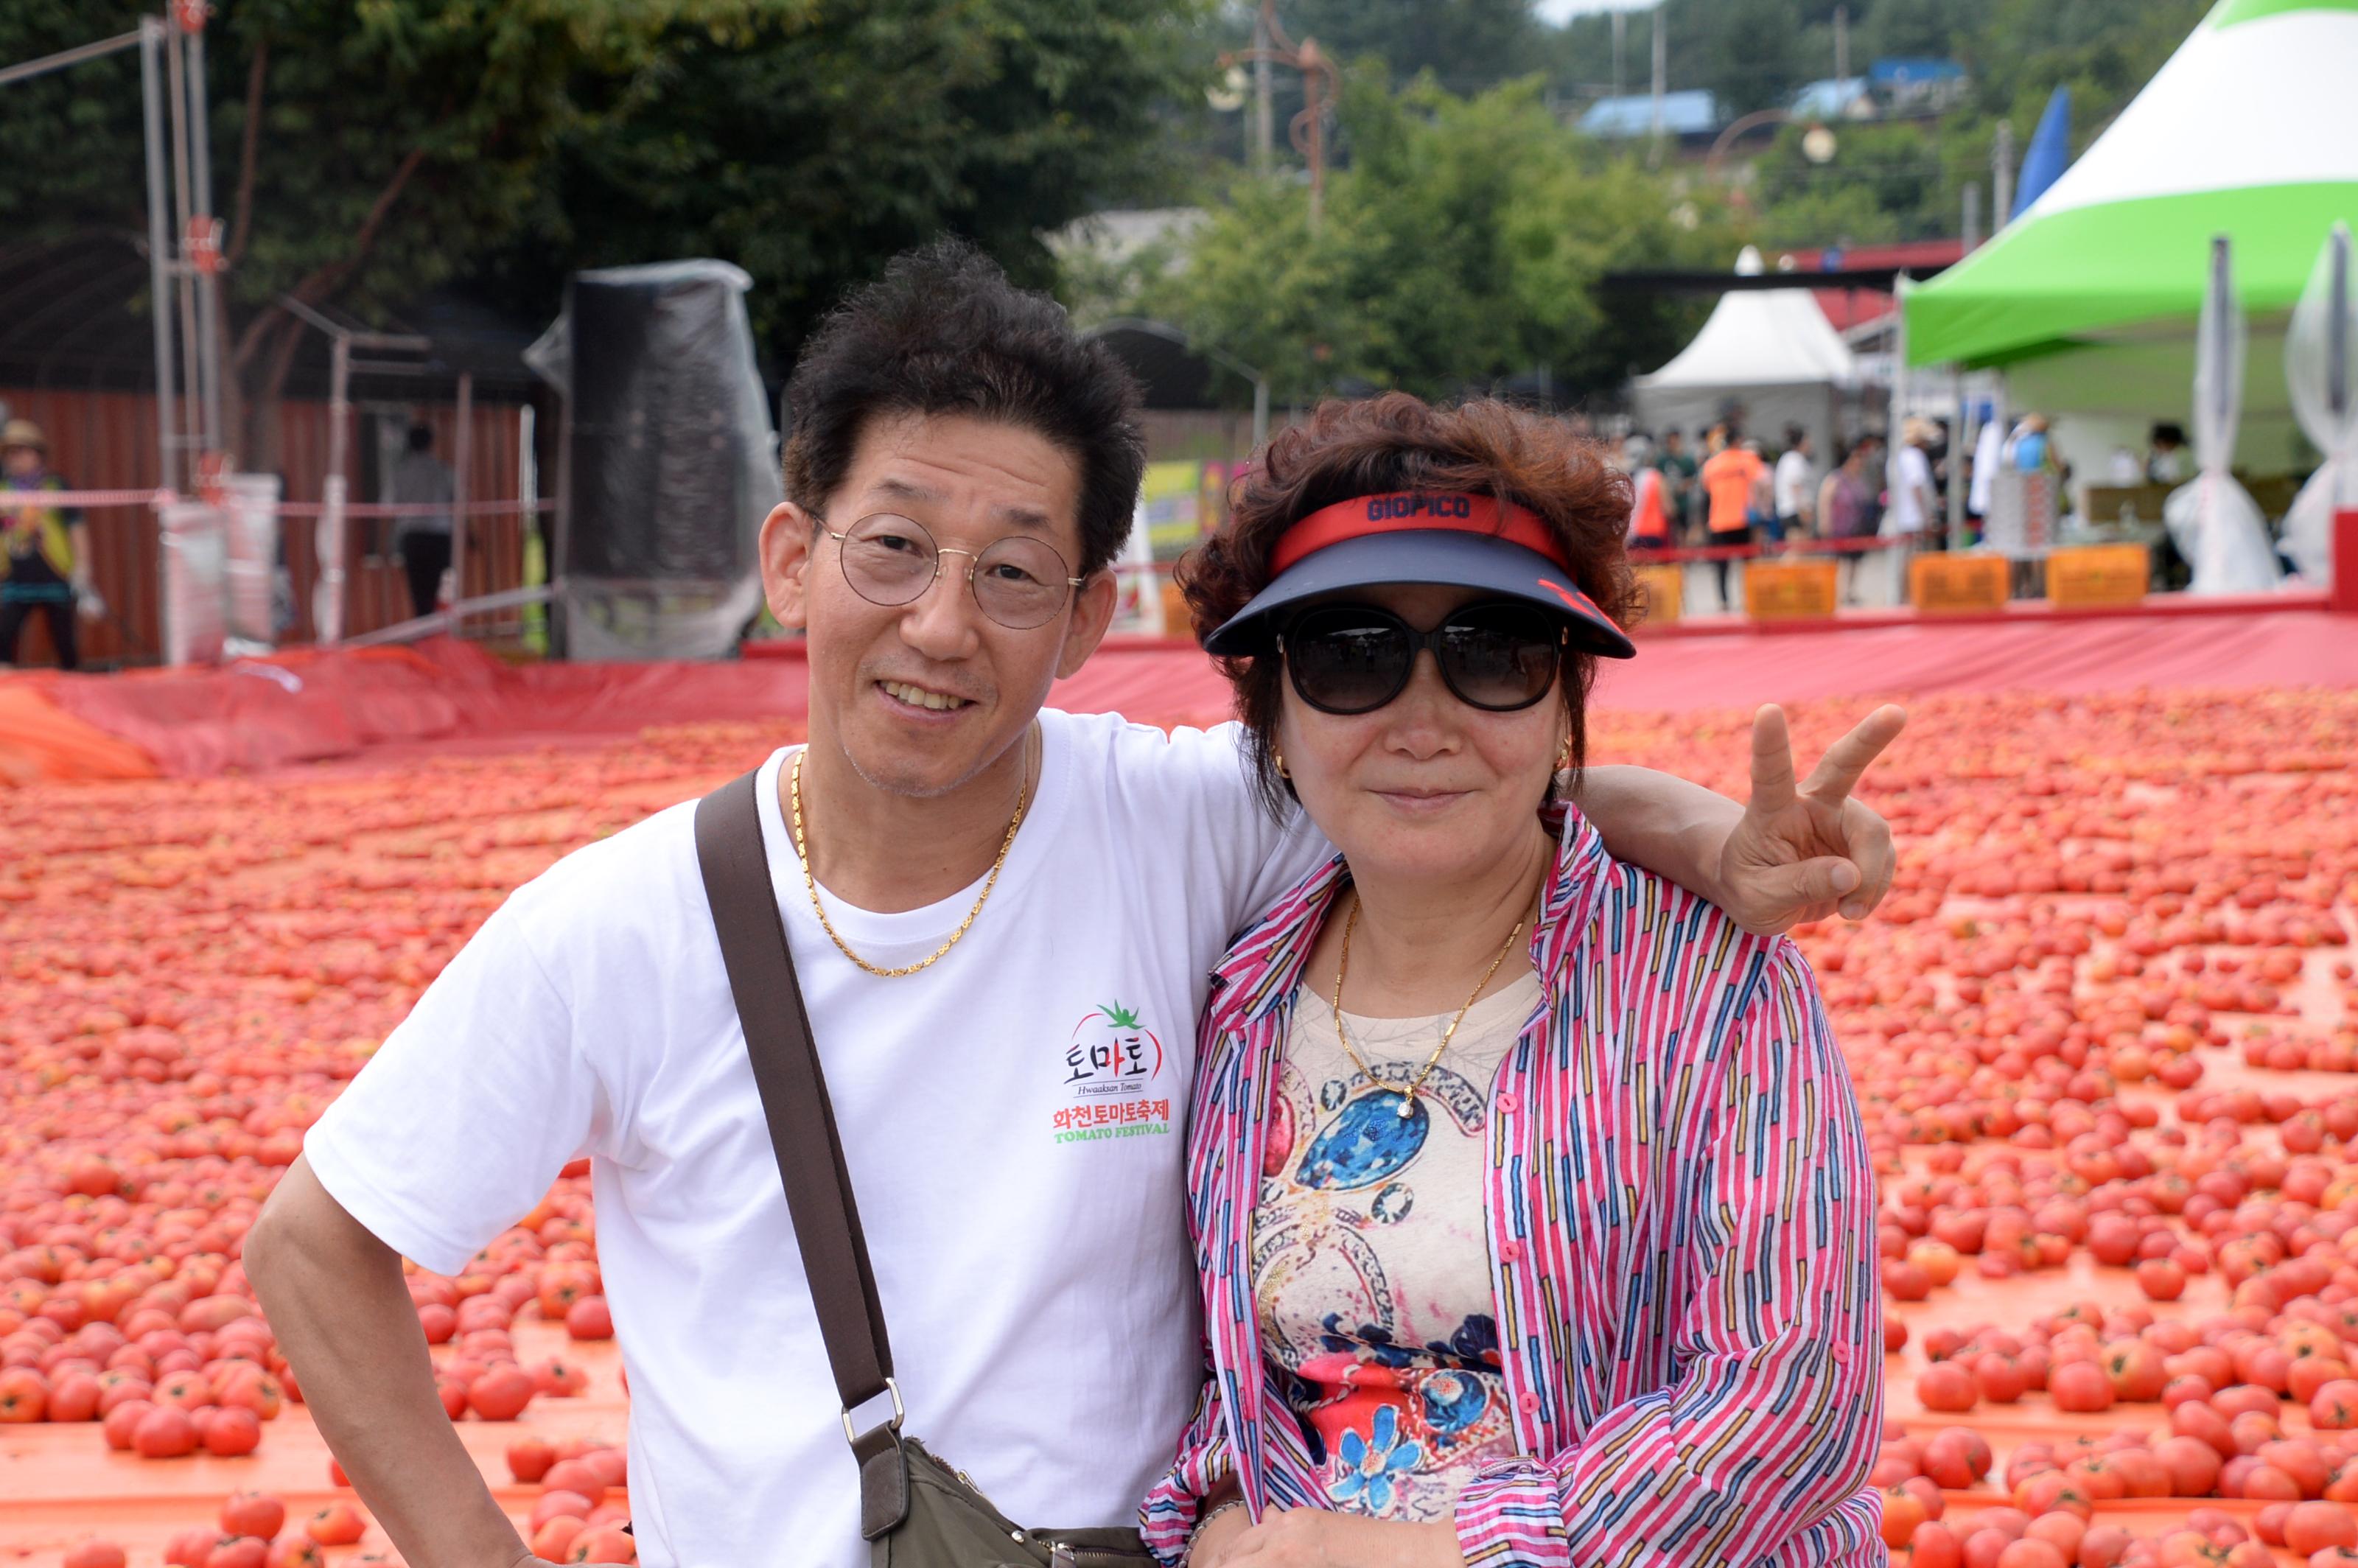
1013,1119
1794,494
1911,492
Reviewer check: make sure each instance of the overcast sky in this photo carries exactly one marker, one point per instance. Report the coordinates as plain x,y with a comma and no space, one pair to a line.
1557,10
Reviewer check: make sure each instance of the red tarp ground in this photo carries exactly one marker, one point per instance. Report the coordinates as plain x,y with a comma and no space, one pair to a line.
1177,684
305,706
256,714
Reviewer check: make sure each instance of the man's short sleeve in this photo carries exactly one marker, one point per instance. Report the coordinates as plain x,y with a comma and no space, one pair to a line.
466,1114
1260,856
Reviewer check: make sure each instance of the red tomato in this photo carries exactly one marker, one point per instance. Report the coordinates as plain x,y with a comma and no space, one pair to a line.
164,1432
529,1459
554,1537
499,1394
94,1554
602,1544
576,1475
233,1433
588,1318
338,1524
254,1513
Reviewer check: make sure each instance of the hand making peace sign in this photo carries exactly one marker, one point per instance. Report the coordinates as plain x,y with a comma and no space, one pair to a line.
1803,853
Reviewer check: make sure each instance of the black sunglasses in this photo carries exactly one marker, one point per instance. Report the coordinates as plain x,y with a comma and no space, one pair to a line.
1354,658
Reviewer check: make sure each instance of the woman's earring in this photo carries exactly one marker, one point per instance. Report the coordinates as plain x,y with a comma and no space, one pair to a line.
1280,766
1563,757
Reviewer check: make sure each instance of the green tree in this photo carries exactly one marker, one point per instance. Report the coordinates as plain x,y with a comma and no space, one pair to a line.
1464,244
1892,180
1933,29
1468,44
365,154
2104,50
361,154
1837,215
814,146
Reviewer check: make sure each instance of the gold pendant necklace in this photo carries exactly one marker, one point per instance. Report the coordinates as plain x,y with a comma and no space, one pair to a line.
810,885
1343,967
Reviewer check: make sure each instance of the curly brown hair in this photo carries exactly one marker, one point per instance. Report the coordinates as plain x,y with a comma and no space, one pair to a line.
1397,442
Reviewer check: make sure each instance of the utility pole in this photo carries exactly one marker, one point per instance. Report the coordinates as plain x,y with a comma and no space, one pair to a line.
1620,37
2002,176
1310,128
1321,83
1841,43
1661,78
1264,129
1973,224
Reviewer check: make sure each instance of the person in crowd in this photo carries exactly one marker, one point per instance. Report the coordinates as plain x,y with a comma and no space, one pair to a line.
1533,1209
1732,478
422,540
2170,461
1649,516
45,567
2031,444
1846,511
1679,471
1874,463
1911,505
1938,455
1796,486
962,471
1911,508
1989,448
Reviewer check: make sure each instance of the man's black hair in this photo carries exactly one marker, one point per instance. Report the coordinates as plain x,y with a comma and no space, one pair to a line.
1795,434
421,436
942,331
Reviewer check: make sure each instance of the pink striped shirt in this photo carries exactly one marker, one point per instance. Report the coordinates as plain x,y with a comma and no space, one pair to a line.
1681,1215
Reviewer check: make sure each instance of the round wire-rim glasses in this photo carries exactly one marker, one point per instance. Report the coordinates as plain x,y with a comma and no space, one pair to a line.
1020,582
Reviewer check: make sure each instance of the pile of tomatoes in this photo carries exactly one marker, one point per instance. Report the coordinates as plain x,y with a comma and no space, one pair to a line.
2086,1032
2121,924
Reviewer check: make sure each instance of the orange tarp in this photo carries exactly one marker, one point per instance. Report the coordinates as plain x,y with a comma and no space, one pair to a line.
39,741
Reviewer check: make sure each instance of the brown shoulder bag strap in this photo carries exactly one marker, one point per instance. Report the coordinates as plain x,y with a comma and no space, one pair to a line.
793,1096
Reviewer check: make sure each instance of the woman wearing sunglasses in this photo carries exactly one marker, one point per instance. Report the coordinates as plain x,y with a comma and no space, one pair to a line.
1532,1206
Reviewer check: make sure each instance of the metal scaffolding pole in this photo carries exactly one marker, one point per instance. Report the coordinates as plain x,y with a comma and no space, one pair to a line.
333,538
207,368
159,246
176,107
462,454
75,56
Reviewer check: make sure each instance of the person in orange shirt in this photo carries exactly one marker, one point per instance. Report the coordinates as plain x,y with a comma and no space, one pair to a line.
1733,477
1650,519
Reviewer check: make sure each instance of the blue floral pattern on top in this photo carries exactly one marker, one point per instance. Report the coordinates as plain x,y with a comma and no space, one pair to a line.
1366,1465
1371,1263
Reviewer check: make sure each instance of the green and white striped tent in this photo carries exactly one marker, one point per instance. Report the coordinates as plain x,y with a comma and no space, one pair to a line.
2088,300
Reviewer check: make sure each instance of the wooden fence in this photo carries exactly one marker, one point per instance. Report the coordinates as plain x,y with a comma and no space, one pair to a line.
106,440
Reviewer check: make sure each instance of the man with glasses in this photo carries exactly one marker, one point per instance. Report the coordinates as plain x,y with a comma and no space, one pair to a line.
1003,916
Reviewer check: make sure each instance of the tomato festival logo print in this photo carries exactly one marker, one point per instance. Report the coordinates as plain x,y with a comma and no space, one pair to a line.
1112,1062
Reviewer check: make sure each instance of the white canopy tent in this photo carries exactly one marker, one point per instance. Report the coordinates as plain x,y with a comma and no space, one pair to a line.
1770,352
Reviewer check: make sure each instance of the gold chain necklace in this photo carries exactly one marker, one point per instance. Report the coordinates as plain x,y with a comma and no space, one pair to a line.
810,885
1343,967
